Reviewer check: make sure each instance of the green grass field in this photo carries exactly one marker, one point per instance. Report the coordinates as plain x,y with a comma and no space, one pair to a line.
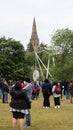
41,118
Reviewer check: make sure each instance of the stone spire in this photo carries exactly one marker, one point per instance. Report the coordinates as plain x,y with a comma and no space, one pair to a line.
34,37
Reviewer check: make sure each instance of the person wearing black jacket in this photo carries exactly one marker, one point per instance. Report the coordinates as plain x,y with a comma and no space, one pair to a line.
19,105
5,91
47,91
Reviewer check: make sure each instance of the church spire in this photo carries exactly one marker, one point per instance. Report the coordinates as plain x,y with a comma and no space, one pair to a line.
34,37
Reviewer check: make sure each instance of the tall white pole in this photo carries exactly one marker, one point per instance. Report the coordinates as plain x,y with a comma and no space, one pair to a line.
39,66
43,64
48,67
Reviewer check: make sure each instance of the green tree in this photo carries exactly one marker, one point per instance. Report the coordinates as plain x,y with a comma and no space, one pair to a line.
30,63
29,47
63,45
12,59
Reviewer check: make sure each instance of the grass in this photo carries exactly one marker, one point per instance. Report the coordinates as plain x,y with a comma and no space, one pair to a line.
42,118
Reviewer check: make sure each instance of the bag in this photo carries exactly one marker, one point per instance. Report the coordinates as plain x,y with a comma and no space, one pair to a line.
34,90
57,89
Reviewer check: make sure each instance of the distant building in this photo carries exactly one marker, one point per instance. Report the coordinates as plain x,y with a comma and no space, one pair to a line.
34,37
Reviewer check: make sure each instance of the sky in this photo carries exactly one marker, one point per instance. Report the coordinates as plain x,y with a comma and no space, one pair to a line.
16,18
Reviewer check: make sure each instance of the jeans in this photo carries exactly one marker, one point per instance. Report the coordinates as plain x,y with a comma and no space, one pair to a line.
0,93
28,119
67,93
5,97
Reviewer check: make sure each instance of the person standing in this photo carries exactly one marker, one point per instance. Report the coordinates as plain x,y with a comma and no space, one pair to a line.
56,90
28,89
36,90
1,85
5,91
67,91
47,91
18,105
71,91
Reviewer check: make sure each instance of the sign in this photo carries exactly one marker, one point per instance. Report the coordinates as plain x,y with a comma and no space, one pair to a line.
35,75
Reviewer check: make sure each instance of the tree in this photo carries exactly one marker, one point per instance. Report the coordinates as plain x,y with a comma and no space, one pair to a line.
30,63
63,44
30,47
12,59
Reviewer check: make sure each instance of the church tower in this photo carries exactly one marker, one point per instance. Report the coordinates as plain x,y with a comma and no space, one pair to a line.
34,37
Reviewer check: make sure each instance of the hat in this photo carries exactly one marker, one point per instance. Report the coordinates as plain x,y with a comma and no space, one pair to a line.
27,80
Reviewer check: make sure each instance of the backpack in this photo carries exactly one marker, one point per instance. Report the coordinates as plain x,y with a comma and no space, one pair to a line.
34,90
57,89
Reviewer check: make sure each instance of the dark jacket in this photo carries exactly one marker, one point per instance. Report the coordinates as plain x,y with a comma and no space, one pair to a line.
19,99
47,88
5,88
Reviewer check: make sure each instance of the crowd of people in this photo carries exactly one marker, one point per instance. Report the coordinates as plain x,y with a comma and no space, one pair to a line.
57,89
24,92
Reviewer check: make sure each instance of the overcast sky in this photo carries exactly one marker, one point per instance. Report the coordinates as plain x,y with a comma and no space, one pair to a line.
16,18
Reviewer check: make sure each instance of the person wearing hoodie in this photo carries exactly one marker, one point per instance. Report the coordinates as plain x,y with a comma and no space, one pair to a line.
28,88
46,91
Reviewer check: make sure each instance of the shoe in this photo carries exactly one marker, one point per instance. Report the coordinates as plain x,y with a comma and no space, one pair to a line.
55,107
46,107
26,126
58,106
